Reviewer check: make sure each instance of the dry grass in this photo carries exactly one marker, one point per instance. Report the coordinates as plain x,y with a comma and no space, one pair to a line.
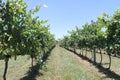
64,65
115,65
16,69
61,65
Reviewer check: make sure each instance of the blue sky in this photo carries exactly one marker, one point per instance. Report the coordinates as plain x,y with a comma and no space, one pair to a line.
64,15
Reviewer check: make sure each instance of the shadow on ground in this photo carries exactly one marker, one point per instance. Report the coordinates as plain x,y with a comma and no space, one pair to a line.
35,70
107,72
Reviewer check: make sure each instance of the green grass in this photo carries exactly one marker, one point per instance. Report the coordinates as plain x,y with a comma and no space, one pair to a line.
115,65
61,65
64,65
16,68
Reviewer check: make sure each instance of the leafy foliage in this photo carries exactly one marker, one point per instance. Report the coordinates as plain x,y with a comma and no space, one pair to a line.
21,33
104,33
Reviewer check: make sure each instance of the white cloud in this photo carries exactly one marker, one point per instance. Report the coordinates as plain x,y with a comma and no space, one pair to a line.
45,6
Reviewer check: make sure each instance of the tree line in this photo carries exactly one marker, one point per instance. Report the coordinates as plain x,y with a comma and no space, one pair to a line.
103,34
21,33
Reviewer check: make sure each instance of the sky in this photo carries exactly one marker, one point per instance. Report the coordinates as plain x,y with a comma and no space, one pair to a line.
65,15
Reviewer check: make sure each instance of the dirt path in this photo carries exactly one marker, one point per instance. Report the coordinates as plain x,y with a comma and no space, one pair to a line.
64,65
